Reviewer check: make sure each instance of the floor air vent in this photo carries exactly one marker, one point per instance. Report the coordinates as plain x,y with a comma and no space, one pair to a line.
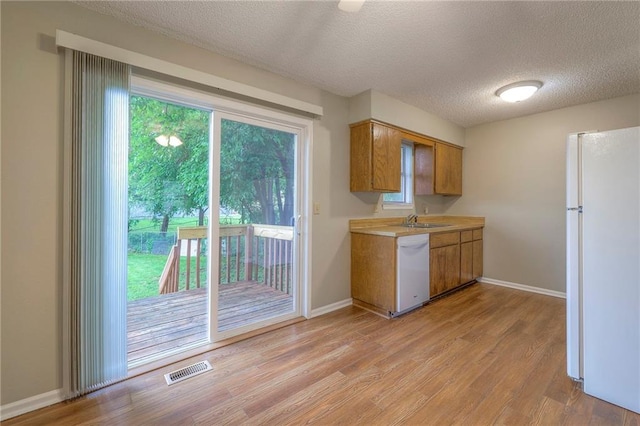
186,372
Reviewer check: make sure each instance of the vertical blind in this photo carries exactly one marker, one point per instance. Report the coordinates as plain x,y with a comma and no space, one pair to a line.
98,223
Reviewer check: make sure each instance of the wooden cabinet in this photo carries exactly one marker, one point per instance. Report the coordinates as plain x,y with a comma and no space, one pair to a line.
375,157
477,254
373,271
376,161
437,169
455,259
448,170
444,262
466,256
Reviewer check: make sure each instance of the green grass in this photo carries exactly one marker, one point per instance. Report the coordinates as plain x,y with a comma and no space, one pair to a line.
150,225
144,271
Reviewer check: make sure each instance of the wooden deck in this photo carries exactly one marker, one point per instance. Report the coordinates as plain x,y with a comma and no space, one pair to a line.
162,323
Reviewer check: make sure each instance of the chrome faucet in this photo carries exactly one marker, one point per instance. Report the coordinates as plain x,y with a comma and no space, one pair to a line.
412,218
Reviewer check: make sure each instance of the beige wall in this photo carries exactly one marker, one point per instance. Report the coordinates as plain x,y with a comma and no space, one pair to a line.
31,171
514,174
373,104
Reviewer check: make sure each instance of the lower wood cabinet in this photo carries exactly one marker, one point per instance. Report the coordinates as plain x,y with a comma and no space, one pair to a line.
466,262
373,271
478,259
444,262
455,259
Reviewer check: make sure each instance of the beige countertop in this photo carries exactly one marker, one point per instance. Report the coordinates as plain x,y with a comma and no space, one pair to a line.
390,226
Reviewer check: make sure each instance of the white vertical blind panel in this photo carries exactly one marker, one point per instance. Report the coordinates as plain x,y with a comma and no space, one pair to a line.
99,190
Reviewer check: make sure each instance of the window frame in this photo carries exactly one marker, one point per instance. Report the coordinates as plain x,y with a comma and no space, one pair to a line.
283,120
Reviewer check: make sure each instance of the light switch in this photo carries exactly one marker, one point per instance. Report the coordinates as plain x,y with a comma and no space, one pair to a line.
316,208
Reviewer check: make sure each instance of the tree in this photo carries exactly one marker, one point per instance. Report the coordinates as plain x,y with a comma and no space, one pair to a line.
165,180
257,172
256,165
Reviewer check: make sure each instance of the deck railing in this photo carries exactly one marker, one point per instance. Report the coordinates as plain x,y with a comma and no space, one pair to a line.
261,253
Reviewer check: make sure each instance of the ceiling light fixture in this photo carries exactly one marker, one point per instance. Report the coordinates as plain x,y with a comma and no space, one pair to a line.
520,91
350,5
168,140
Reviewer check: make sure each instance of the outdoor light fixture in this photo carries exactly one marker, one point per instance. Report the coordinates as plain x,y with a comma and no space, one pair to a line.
350,5
165,140
520,91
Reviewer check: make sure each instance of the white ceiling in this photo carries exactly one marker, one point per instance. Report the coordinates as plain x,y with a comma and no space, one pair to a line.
447,58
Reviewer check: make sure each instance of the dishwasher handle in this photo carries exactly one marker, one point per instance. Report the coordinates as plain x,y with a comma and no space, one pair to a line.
414,246
413,241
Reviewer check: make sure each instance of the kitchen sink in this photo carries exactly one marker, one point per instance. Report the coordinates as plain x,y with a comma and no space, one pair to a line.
424,225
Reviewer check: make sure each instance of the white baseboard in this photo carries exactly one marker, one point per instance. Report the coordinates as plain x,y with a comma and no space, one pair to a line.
33,403
523,287
330,308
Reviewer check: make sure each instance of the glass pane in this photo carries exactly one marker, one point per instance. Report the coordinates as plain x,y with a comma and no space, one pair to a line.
257,211
168,201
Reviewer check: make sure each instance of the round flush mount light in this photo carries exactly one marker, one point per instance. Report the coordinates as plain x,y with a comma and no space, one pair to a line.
520,91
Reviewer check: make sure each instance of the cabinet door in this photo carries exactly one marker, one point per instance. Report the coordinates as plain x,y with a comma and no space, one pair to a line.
466,262
477,259
444,269
360,157
422,169
385,159
448,170
373,270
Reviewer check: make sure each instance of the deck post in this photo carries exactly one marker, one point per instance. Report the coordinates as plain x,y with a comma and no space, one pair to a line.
198,248
188,265
177,273
248,254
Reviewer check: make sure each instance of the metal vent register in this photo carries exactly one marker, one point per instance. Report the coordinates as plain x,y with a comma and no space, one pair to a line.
187,372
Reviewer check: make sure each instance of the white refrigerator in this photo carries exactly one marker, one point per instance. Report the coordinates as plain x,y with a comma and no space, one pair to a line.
603,264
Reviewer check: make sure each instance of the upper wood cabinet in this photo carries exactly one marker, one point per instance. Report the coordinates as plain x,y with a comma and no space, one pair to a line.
438,169
375,157
448,170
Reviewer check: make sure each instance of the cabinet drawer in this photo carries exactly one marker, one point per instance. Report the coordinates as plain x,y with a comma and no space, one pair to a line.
466,236
477,234
444,239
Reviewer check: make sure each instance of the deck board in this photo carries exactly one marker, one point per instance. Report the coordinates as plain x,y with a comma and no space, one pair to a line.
165,322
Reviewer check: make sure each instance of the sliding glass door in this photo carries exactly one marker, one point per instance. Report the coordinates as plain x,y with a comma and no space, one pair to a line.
257,251
216,236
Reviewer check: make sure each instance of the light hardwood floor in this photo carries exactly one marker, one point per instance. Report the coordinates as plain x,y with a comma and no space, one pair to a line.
484,355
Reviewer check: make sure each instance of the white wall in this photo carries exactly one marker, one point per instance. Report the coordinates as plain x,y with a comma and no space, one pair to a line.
31,175
514,175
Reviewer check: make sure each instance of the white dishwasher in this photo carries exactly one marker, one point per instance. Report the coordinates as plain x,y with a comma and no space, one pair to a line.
412,272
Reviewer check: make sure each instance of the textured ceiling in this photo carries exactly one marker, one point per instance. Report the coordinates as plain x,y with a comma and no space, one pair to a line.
447,58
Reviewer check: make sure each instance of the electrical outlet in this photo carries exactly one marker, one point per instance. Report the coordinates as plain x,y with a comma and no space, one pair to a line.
426,210
316,208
